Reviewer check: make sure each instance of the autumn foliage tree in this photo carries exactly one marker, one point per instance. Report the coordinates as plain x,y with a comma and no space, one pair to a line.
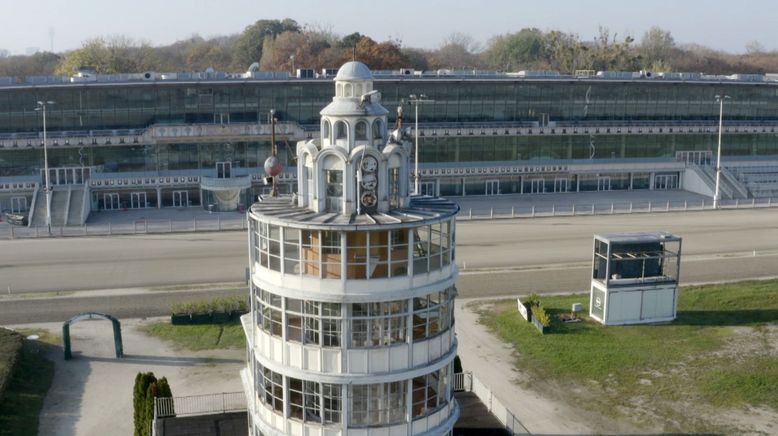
380,55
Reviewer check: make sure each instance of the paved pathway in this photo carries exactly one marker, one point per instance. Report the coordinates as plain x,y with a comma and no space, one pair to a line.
91,395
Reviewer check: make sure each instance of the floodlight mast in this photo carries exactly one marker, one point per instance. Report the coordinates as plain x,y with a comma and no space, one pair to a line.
47,188
717,194
416,101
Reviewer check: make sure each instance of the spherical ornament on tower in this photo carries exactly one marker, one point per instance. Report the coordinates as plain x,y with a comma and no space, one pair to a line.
273,166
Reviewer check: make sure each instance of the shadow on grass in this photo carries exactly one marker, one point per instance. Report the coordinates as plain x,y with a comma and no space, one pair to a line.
725,317
720,318
23,399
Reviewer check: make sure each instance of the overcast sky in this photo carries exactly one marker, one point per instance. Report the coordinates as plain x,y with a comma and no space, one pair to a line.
721,24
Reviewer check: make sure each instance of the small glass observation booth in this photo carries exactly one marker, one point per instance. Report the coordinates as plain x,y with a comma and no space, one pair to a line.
635,278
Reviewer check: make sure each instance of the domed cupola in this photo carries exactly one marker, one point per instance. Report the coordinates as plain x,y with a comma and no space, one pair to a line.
354,168
355,115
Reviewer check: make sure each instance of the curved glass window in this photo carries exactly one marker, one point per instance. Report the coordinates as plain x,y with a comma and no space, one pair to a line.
360,131
377,404
368,255
379,324
308,401
433,314
430,392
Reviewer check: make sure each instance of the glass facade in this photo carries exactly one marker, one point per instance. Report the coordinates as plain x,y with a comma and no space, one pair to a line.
370,405
371,325
470,102
367,254
498,99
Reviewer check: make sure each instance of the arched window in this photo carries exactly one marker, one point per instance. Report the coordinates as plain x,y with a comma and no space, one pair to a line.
341,130
347,90
360,132
339,90
357,90
377,130
325,129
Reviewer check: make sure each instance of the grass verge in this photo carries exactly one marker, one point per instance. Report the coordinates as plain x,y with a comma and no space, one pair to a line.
21,405
716,354
199,337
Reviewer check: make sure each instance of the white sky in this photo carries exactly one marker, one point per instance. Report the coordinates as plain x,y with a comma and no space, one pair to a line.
721,24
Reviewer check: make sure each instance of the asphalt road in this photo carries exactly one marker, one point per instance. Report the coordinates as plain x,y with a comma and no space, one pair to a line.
495,257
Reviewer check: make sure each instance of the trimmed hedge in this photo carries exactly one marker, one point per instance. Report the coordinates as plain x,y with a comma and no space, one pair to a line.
217,311
10,350
146,388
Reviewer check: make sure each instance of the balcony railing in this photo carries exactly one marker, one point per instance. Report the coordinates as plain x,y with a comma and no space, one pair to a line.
199,404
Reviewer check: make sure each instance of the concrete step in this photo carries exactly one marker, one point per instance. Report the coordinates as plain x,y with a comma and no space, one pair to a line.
76,203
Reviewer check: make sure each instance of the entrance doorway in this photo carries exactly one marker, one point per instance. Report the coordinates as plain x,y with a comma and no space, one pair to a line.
137,200
537,186
223,170
603,183
427,188
561,184
111,201
180,199
492,187
665,181
18,204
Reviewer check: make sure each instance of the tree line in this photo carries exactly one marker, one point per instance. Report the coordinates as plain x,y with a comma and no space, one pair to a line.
283,45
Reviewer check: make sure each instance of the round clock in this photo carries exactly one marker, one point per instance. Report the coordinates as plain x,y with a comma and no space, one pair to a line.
369,199
369,181
369,164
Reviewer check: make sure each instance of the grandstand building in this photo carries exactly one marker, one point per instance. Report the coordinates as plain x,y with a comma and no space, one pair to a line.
199,139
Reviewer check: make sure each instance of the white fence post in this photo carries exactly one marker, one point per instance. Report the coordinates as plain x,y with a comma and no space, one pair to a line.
649,206
533,210
553,210
611,208
685,205
513,211
667,208
491,212
470,213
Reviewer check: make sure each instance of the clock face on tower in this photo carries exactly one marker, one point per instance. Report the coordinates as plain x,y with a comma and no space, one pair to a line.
369,182
369,199
369,164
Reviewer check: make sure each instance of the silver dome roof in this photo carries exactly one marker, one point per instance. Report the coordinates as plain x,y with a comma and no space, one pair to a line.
354,71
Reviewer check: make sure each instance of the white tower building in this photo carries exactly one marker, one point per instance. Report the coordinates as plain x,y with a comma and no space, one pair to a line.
351,328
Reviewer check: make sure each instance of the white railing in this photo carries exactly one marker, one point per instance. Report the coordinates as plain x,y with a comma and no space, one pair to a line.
463,382
211,223
576,209
236,182
467,382
199,404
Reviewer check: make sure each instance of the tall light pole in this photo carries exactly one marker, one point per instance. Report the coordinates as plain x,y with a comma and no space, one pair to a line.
717,195
416,101
47,189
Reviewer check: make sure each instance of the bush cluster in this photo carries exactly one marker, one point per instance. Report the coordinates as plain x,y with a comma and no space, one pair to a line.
146,388
539,313
226,305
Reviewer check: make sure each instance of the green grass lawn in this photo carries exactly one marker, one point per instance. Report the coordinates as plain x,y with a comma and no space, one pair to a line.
23,398
716,353
199,337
